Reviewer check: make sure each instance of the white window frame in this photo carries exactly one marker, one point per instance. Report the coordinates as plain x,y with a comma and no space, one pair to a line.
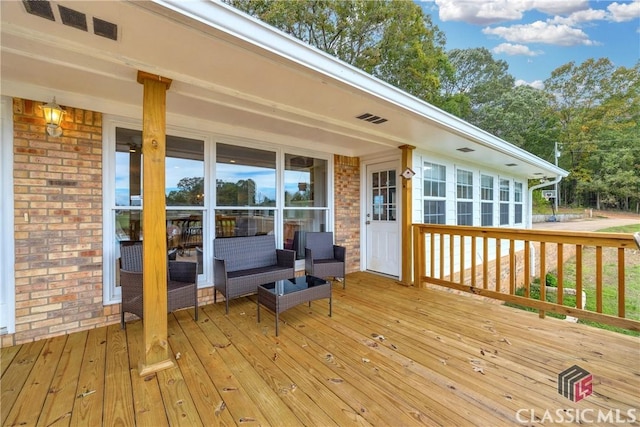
506,201
490,201
443,198
518,203
7,238
111,293
465,200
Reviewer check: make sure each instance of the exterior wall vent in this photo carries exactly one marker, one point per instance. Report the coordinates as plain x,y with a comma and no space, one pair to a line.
465,150
39,8
371,118
511,164
73,18
105,29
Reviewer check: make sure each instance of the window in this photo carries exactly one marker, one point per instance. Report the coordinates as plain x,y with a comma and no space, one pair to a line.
517,198
435,191
305,199
464,195
184,190
245,191
213,190
505,189
486,197
383,187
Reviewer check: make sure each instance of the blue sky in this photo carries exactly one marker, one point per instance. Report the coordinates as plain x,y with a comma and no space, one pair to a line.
537,36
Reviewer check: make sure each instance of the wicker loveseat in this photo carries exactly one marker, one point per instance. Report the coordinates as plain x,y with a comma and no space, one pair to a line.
243,263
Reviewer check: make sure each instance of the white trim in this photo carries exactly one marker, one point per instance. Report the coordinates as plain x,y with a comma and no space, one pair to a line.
7,238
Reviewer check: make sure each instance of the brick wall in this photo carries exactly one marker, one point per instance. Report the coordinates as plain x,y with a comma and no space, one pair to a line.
58,224
347,208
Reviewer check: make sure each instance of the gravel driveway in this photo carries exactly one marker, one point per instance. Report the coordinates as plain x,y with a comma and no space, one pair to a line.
587,224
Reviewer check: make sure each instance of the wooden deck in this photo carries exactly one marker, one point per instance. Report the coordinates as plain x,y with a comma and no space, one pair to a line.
389,356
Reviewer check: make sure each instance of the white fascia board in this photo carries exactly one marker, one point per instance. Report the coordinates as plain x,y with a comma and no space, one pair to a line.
251,30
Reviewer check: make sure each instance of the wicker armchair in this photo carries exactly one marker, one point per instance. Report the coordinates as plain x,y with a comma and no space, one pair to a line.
182,288
322,258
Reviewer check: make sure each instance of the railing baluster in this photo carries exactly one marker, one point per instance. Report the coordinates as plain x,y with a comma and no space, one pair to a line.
621,287
474,248
452,254
498,264
441,275
512,267
559,266
599,279
543,276
527,268
579,303
432,255
462,249
485,263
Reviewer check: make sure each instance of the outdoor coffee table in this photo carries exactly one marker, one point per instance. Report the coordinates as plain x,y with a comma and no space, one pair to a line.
284,294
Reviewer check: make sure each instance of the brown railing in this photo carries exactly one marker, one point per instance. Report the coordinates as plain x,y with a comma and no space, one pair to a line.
501,263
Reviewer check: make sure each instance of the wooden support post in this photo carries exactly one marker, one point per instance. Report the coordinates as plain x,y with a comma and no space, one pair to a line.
154,262
407,208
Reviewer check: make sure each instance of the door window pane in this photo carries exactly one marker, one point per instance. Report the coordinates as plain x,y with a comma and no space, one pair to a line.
383,192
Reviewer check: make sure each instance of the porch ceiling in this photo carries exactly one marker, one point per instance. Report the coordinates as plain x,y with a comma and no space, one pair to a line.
225,83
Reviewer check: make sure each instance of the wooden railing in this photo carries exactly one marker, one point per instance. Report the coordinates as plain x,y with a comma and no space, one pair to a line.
501,263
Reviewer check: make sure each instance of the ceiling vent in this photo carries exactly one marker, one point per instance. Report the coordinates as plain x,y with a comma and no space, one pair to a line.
105,29
39,8
465,149
72,18
368,117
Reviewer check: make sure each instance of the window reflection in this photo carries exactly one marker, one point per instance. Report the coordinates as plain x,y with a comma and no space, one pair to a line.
242,223
305,181
245,176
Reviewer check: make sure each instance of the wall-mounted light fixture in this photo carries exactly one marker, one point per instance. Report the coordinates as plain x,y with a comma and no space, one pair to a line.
53,117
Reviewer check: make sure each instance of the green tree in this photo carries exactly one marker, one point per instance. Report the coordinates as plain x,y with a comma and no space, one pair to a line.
597,107
392,40
521,116
478,77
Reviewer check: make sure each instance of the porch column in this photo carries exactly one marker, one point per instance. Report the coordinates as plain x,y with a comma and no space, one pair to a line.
407,208
154,259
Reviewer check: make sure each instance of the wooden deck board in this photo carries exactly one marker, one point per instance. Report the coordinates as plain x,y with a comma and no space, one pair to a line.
58,405
118,402
445,359
145,390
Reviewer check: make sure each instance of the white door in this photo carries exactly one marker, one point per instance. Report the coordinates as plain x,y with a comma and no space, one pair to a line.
382,225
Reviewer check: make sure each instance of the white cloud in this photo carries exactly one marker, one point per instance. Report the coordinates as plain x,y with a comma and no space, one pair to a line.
515,49
579,17
537,84
624,12
541,32
563,7
486,12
